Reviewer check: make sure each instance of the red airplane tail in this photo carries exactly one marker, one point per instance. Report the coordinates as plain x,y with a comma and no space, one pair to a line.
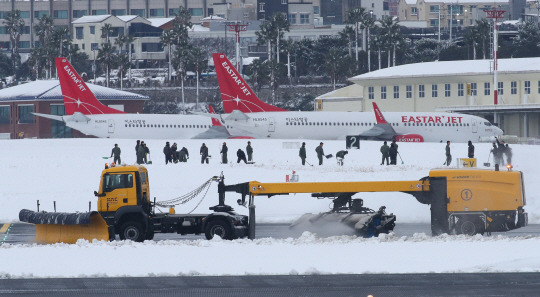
76,94
235,92
378,114
215,122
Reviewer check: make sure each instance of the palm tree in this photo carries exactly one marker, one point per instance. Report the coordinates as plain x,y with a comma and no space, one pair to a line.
167,38
331,64
126,40
106,31
107,57
348,34
369,23
15,28
44,31
355,16
471,37
123,63
180,61
392,36
483,31
198,61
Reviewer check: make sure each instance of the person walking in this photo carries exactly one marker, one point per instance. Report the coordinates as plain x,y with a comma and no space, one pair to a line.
320,153
249,151
302,153
393,152
167,153
223,152
508,152
116,153
448,154
340,156
385,151
204,154
241,156
471,150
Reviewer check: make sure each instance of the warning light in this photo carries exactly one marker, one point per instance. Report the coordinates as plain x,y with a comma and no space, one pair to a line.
106,165
509,167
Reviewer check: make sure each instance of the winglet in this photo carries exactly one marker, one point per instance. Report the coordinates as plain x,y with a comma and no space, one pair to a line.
235,92
77,96
215,122
378,114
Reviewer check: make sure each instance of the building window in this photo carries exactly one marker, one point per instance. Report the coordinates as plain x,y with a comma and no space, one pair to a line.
100,11
283,1
25,114
396,92
473,89
513,87
157,12
39,13
434,91
434,9
26,14
93,46
59,129
92,30
304,18
261,7
383,92
487,88
500,87
460,91
292,18
446,90
60,14
196,12
316,10
173,11
152,47
26,30
3,30
79,13
421,91
117,12
4,114
24,44
139,12
433,22
79,33
409,91
371,92
527,87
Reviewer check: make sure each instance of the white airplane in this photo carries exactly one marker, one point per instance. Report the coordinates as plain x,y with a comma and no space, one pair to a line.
250,116
86,114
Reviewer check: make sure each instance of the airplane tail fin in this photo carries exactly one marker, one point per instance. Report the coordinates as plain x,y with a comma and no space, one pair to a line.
235,92
215,122
378,114
76,94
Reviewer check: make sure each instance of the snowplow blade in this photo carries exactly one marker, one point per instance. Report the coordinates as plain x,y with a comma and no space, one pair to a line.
55,227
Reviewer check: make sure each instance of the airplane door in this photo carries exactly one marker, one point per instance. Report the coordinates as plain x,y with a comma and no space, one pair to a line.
474,126
271,125
110,124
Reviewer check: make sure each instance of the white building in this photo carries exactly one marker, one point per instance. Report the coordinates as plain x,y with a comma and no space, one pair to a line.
461,86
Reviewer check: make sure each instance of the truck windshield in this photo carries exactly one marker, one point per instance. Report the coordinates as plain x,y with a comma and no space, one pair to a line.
117,181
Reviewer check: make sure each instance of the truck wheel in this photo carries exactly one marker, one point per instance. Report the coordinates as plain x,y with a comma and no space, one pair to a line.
132,231
218,228
466,227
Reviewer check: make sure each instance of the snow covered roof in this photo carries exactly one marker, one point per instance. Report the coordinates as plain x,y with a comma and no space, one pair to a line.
449,68
353,91
50,90
91,19
213,18
413,2
158,22
198,28
127,18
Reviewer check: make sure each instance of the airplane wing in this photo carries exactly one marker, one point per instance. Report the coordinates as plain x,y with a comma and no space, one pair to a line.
218,131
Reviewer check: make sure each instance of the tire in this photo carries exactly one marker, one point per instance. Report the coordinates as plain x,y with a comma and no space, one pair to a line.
150,232
133,231
468,227
218,228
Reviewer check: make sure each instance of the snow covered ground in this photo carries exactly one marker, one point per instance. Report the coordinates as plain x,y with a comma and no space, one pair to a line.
67,171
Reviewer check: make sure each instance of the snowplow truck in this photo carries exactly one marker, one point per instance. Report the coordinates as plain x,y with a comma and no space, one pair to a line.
462,201
124,208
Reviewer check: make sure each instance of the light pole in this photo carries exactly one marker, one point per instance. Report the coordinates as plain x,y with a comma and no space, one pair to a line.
439,23
451,19
94,65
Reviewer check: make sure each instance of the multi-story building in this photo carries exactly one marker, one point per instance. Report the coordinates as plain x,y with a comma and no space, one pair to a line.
335,12
64,12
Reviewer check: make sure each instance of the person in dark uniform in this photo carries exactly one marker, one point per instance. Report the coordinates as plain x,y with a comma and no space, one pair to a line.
320,153
116,153
471,150
508,152
223,152
139,159
174,153
146,152
501,150
392,152
385,153
448,154
241,156
340,156
302,153
249,151
204,154
167,153
140,153
184,154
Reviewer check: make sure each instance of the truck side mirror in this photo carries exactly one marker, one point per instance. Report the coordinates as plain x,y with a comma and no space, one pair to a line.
96,193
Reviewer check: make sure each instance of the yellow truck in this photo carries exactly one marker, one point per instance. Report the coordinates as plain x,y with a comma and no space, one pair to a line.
124,208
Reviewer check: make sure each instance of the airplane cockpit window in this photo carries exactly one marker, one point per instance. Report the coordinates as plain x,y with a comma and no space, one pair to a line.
487,123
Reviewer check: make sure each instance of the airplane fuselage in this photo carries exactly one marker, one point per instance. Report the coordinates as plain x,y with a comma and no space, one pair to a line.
433,127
